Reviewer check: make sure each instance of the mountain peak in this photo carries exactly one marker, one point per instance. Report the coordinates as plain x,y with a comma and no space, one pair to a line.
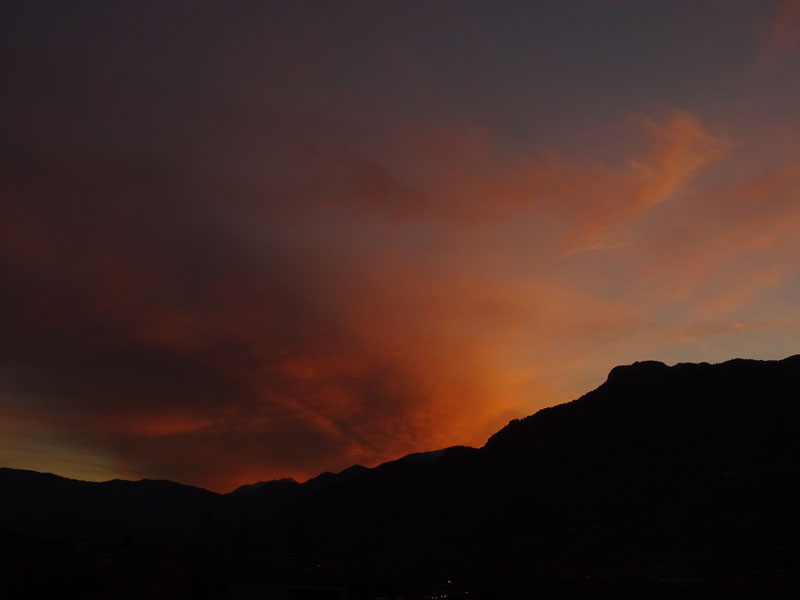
637,370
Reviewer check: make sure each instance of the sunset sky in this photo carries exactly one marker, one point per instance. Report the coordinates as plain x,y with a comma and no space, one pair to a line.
249,240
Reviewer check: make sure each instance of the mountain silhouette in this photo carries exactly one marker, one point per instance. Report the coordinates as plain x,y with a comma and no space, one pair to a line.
663,480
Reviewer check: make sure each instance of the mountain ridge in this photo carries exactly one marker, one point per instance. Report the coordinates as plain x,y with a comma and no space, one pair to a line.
662,473
617,373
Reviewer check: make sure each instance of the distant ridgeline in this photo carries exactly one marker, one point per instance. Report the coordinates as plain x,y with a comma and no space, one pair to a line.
666,476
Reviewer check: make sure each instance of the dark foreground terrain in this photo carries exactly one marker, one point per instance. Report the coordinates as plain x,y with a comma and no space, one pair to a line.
663,482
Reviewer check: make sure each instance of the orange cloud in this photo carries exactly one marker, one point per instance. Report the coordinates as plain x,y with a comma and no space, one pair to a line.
404,302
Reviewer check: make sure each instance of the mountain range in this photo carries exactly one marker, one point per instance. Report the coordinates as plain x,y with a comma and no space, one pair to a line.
663,479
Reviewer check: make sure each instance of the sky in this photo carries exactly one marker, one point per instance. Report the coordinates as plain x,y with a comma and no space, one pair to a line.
243,241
